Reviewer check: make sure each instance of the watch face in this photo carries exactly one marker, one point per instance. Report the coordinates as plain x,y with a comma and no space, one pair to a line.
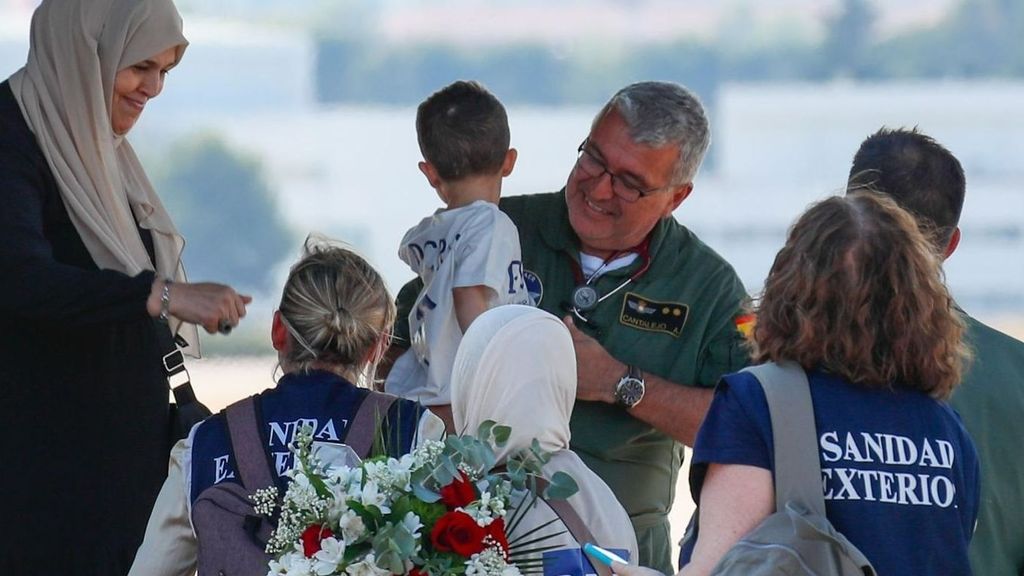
630,391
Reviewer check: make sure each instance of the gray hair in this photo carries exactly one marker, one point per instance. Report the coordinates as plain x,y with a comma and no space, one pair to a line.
664,113
336,307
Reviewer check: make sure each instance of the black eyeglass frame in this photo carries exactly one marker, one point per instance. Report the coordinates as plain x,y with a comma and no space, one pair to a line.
615,178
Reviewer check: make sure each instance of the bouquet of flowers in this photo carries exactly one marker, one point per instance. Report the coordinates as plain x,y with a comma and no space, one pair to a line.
443,509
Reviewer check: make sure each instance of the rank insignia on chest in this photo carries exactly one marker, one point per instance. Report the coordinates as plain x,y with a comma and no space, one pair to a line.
645,314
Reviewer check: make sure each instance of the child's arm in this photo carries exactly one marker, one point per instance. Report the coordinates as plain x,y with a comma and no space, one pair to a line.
470,302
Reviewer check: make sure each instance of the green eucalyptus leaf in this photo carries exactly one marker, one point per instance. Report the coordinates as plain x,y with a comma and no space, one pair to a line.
501,434
425,494
446,472
483,432
561,486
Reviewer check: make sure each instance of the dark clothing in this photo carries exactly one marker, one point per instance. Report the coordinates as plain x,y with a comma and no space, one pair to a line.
899,472
83,401
325,402
990,400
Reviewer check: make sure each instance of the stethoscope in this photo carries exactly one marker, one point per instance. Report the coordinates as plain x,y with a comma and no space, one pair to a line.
585,297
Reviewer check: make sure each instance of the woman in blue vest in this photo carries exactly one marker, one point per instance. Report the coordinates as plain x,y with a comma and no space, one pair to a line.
856,297
332,327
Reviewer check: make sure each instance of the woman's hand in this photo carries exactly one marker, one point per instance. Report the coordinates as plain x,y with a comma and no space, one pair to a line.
206,304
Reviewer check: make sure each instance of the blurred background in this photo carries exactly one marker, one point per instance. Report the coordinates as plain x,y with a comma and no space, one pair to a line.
287,117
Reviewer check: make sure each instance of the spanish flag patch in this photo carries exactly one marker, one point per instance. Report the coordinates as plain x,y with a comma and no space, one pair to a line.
745,324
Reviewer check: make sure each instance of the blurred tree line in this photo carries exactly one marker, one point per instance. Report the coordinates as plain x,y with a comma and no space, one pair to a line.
225,209
977,39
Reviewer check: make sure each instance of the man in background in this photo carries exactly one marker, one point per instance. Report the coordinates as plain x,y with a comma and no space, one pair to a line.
928,181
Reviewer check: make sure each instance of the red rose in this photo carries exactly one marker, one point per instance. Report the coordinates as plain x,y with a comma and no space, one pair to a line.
458,532
417,572
496,530
311,538
460,492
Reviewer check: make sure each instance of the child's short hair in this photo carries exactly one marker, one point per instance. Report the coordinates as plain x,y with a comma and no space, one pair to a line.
463,131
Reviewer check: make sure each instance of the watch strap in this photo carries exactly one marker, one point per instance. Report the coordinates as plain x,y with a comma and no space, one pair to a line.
632,373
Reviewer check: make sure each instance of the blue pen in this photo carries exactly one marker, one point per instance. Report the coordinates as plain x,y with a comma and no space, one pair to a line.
603,556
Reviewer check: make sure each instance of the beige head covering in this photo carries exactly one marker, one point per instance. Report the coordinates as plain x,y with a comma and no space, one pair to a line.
65,91
516,365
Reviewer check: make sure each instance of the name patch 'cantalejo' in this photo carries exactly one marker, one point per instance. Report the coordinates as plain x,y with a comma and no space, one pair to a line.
646,314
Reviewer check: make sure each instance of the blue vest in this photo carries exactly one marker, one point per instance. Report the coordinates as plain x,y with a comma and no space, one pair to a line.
322,400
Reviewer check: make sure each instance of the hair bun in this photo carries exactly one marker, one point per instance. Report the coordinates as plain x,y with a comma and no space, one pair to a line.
339,321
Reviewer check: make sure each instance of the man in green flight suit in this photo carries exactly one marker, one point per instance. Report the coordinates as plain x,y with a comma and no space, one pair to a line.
927,180
655,314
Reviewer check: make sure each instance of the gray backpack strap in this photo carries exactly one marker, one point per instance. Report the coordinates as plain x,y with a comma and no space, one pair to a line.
797,468
367,422
246,442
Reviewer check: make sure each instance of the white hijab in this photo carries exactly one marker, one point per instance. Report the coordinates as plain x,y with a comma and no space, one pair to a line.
65,91
516,365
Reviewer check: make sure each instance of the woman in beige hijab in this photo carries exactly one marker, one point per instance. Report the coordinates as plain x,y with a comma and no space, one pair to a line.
516,366
91,266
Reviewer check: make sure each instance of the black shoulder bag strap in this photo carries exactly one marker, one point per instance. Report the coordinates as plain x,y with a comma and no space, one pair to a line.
187,410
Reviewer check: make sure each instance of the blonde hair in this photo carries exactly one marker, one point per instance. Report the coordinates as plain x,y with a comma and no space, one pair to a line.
858,290
336,308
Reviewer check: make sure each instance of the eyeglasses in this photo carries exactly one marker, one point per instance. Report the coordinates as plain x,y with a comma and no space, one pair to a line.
594,167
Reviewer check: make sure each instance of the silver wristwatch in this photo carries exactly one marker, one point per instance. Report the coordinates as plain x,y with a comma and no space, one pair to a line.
630,389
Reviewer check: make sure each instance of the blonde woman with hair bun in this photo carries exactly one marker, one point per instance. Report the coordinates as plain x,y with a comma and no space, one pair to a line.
332,327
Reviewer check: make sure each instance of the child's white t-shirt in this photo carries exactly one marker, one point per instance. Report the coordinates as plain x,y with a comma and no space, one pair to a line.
473,245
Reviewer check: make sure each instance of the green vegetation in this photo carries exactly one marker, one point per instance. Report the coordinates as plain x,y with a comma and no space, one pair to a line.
226,212
233,231
978,39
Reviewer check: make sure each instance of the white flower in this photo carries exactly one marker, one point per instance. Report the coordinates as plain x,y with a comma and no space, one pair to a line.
340,476
291,564
352,527
390,476
337,509
407,462
401,472
370,495
300,491
487,509
427,454
470,472
490,562
366,567
330,555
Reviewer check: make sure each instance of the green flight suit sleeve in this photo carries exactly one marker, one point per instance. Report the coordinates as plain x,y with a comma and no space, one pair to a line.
727,349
